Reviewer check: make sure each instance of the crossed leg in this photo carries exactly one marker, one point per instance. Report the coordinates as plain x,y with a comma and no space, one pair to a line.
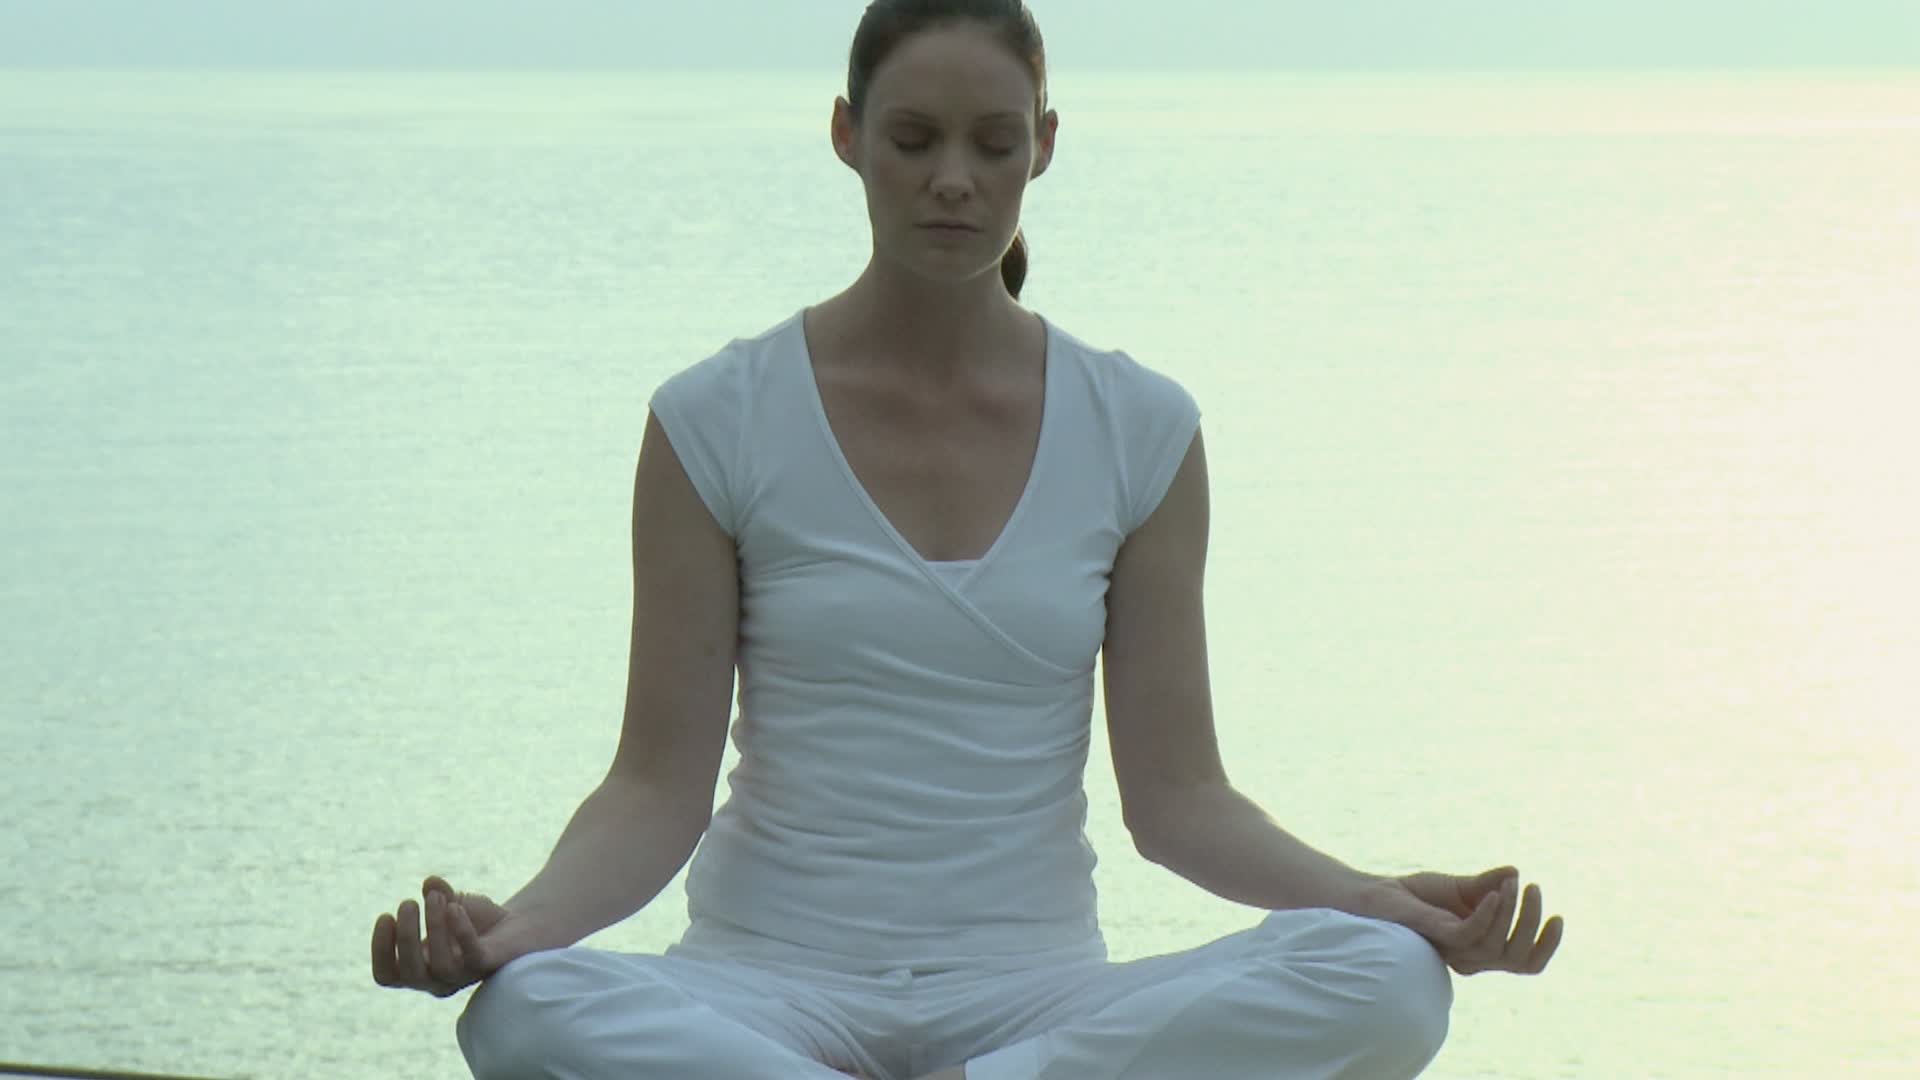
1310,994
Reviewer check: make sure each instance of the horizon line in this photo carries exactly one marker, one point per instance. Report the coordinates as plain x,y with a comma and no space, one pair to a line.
684,69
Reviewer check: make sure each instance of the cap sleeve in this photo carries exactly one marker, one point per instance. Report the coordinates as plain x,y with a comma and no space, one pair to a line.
701,409
1161,419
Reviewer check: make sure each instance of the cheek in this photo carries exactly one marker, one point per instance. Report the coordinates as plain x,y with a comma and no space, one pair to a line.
889,171
890,179
1010,175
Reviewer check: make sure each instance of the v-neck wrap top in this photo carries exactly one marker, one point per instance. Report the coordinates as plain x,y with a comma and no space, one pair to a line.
912,735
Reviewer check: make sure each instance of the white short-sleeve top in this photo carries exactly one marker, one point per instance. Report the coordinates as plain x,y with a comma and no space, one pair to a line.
912,735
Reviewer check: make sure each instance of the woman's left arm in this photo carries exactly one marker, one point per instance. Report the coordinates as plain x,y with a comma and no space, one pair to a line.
1182,811
1175,798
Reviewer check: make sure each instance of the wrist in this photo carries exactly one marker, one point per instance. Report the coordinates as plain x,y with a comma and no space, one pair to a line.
527,925
1374,896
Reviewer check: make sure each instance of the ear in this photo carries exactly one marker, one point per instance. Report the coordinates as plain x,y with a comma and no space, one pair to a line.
845,134
1049,128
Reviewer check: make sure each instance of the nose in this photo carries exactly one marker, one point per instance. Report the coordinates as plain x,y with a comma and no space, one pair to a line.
951,176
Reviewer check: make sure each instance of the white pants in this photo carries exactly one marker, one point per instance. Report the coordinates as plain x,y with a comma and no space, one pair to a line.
1312,994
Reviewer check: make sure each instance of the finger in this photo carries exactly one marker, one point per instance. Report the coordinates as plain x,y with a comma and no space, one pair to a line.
440,965
1465,937
386,971
1483,936
454,971
473,955
1492,918
1549,944
441,944
1520,945
1496,940
413,967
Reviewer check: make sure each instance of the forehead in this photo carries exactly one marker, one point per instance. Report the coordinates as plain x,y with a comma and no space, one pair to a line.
957,73
909,112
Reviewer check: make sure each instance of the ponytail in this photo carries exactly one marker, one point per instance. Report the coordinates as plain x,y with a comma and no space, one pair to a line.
1013,266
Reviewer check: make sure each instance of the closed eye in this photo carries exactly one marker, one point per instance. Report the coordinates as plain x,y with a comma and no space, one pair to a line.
915,148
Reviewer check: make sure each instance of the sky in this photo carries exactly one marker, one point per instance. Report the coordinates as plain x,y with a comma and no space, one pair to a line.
1087,34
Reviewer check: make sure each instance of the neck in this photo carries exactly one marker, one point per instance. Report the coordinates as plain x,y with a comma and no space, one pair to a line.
935,329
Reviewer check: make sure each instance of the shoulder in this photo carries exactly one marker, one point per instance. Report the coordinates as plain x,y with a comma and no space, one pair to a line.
1129,390
730,372
709,409
1144,419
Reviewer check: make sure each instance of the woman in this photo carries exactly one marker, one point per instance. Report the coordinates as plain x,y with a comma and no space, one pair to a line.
912,516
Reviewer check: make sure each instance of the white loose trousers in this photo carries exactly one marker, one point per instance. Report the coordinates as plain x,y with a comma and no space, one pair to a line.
1311,994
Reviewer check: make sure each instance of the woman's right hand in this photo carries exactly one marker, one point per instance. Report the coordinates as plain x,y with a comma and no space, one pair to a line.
468,937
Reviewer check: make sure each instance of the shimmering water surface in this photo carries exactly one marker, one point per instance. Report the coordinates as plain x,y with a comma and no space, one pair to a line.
1566,513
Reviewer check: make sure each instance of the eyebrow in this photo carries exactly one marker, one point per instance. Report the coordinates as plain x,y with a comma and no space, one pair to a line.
903,110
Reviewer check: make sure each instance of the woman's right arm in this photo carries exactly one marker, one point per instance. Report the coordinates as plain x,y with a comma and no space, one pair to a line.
635,831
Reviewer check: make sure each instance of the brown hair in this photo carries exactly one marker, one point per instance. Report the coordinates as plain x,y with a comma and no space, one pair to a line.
888,23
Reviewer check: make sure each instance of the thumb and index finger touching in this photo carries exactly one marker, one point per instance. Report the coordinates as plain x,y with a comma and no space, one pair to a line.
1469,920
1459,908
397,940
1473,889
437,884
476,903
1458,894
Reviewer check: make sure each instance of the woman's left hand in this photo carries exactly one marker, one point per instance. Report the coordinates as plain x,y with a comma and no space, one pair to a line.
1468,918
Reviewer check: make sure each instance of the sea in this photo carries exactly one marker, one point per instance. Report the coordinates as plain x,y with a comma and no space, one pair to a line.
1565,515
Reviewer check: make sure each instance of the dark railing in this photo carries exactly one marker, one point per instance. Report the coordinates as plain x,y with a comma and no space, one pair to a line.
66,1072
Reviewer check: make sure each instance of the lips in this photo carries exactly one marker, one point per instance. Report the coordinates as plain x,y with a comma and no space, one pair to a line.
948,225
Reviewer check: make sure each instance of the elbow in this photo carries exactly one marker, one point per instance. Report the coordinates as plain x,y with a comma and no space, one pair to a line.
1146,840
679,811
693,826
1169,824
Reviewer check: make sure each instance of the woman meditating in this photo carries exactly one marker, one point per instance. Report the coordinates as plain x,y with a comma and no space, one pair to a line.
912,517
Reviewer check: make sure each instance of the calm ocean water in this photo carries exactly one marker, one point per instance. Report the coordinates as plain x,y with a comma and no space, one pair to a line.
1566,496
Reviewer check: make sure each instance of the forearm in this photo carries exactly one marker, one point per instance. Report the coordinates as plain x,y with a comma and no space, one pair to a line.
624,844
1223,842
